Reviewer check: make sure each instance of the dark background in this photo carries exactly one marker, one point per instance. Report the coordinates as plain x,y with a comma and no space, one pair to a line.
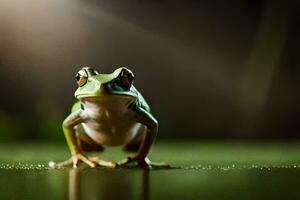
209,69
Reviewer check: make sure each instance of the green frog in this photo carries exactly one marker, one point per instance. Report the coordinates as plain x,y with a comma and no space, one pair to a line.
110,111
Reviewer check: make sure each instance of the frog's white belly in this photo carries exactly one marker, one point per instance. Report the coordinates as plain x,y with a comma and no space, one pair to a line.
110,122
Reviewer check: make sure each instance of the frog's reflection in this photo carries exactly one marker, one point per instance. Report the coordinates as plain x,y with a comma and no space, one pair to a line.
108,184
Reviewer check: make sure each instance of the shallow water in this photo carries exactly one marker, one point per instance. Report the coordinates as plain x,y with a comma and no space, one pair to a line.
211,170
157,184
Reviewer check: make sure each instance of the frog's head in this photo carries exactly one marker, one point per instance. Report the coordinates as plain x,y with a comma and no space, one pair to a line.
94,84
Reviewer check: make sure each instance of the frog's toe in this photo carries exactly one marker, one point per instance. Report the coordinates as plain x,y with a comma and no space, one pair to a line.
59,165
155,165
84,159
126,161
147,164
103,163
107,164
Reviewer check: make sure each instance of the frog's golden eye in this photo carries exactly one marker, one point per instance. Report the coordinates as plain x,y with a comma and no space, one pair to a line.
81,77
127,77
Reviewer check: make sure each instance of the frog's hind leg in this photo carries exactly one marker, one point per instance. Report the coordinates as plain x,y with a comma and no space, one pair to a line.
86,144
135,144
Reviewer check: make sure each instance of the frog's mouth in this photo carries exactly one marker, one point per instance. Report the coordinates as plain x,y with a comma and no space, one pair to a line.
103,92
114,95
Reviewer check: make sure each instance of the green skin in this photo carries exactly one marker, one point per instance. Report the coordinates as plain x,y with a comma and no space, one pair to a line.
109,112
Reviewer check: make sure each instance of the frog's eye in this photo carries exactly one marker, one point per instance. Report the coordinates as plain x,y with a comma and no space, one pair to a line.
81,77
127,77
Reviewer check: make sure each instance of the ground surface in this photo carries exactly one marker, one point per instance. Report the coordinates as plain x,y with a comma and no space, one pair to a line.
203,170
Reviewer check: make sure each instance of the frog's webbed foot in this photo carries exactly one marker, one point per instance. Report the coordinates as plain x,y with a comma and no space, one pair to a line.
144,163
73,161
103,163
77,158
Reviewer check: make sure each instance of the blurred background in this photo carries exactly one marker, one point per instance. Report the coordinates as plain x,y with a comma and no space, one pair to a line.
209,69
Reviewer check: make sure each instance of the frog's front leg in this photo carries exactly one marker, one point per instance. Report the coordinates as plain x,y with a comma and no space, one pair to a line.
69,123
145,118
73,142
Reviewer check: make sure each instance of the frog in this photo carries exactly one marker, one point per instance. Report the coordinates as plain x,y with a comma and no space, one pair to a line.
109,111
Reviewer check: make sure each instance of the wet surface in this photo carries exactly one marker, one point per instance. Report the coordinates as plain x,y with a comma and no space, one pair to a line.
212,170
